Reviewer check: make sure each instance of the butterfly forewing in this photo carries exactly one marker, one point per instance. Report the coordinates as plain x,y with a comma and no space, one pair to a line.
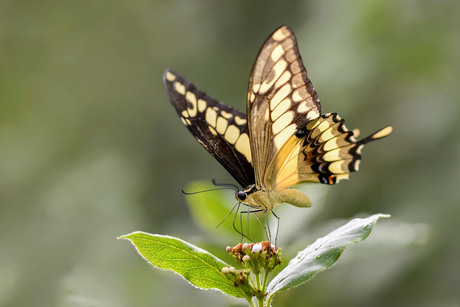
281,99
221,129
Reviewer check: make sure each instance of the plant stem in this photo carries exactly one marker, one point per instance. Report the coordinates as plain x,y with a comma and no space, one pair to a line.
268,301
264,285
260,300
257,281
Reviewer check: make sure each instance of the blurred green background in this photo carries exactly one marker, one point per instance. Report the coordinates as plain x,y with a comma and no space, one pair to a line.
91,149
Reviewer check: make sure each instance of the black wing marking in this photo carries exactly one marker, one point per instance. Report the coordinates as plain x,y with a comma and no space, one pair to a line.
221,129
331,150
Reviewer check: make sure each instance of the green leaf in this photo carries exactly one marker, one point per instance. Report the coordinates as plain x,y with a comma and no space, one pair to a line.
196,265
209,210
322,254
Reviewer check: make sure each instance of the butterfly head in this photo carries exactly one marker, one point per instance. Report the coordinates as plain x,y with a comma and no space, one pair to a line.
242,195
263,199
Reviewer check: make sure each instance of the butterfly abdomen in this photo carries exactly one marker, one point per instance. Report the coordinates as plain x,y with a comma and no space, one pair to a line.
269,199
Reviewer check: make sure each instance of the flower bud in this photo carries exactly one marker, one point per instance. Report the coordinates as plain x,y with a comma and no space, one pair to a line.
246,246
257,247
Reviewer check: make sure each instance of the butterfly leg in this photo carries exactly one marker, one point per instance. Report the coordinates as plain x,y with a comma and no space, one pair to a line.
240,230
237,205
267,229
277,226
267,232
258,219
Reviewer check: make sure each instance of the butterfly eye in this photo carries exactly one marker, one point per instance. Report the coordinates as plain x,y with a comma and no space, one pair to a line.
241,195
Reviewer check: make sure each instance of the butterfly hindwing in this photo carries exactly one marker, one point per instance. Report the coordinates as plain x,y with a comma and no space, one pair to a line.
281,99
323,151
221,129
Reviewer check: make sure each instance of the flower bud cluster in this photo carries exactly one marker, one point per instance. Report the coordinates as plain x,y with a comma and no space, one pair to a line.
237,276
256,256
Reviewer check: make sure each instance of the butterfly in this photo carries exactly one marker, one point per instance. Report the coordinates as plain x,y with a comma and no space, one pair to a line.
283,139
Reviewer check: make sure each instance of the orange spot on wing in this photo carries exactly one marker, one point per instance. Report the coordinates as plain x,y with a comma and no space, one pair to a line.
331,179
309,157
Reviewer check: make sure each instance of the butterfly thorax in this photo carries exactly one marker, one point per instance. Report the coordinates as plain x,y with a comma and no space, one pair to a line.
268,199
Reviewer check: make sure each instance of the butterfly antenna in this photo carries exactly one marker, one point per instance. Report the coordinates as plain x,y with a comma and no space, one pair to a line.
198,192
227,185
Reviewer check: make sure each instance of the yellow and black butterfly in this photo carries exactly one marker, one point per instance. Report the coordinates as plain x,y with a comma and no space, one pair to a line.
283,140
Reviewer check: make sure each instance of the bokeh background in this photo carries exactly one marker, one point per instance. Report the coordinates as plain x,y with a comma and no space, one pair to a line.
91,149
